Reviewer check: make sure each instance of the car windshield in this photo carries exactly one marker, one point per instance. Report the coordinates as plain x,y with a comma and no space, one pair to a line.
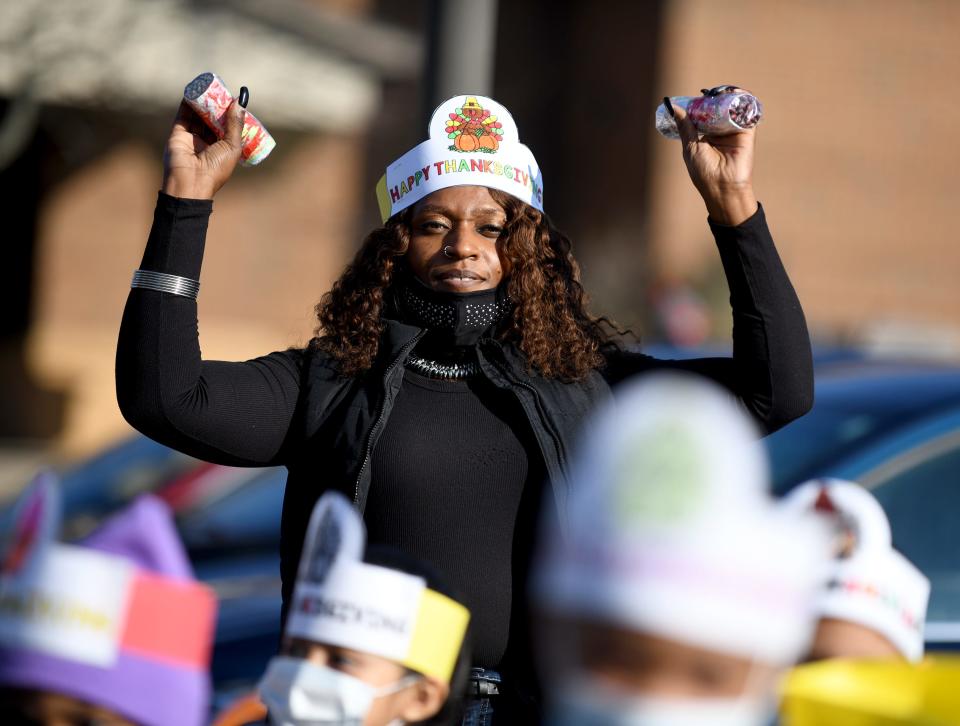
916,500
851,410
112,479
247,515
915,486
799,451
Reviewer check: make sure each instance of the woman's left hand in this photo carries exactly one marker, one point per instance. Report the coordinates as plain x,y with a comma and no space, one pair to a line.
721,168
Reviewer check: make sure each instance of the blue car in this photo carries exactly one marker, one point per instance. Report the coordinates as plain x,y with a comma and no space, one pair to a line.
895,429
108,481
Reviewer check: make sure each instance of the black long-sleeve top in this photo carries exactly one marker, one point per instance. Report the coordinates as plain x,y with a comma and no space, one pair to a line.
263,411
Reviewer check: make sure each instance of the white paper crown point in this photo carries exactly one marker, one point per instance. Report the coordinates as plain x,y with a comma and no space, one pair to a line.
852,507
473,141
335,534
34,527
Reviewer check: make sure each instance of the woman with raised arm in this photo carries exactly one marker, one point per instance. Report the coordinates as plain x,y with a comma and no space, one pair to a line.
454,359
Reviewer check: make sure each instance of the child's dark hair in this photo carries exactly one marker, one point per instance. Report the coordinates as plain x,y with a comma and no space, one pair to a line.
451,714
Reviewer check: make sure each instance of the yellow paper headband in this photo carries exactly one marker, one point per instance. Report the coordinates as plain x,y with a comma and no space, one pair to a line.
437,636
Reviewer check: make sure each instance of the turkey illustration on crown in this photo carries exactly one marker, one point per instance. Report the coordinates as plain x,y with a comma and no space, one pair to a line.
473,128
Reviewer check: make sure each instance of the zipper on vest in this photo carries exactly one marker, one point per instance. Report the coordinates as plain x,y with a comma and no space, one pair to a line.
545,423
383,409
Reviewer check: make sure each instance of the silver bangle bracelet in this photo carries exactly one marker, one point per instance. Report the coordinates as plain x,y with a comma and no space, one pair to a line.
162,282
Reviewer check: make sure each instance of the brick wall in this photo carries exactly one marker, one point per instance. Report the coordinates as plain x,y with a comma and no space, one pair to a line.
278,237
857,157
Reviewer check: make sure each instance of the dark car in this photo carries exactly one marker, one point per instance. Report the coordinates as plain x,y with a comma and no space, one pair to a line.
100,485
218,509
895,429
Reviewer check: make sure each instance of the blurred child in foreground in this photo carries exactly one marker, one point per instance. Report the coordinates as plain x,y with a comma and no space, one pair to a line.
678,592
372,638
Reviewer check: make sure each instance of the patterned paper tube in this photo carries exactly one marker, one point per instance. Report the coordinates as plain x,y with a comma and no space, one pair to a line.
208,95
726,113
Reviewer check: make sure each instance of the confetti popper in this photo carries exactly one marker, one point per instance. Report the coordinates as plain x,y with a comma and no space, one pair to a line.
714,114
208,95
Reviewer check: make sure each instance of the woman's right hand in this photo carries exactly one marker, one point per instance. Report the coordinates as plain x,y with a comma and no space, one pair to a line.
195,163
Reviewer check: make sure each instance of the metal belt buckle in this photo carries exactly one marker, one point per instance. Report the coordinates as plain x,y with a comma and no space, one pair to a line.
484,688
484,685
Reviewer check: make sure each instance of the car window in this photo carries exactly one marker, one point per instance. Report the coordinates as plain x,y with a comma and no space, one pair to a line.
109,481
802,449
920,492
247,516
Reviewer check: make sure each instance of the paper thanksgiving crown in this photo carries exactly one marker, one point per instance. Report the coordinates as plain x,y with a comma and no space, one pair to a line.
871,583
341,600
116,621
473,141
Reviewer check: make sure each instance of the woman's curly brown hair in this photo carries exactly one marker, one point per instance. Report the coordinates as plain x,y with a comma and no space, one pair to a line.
550,322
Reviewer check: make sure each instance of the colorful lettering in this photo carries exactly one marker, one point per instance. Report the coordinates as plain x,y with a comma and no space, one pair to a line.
395,194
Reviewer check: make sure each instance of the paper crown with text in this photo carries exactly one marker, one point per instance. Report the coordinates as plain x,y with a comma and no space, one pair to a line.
473,141
671,530
340,600
871,584
116,621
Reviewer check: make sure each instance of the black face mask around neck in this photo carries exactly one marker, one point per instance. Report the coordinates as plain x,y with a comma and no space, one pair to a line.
459,318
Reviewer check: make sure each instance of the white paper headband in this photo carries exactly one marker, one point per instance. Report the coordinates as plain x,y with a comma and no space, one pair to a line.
341,600
473,142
